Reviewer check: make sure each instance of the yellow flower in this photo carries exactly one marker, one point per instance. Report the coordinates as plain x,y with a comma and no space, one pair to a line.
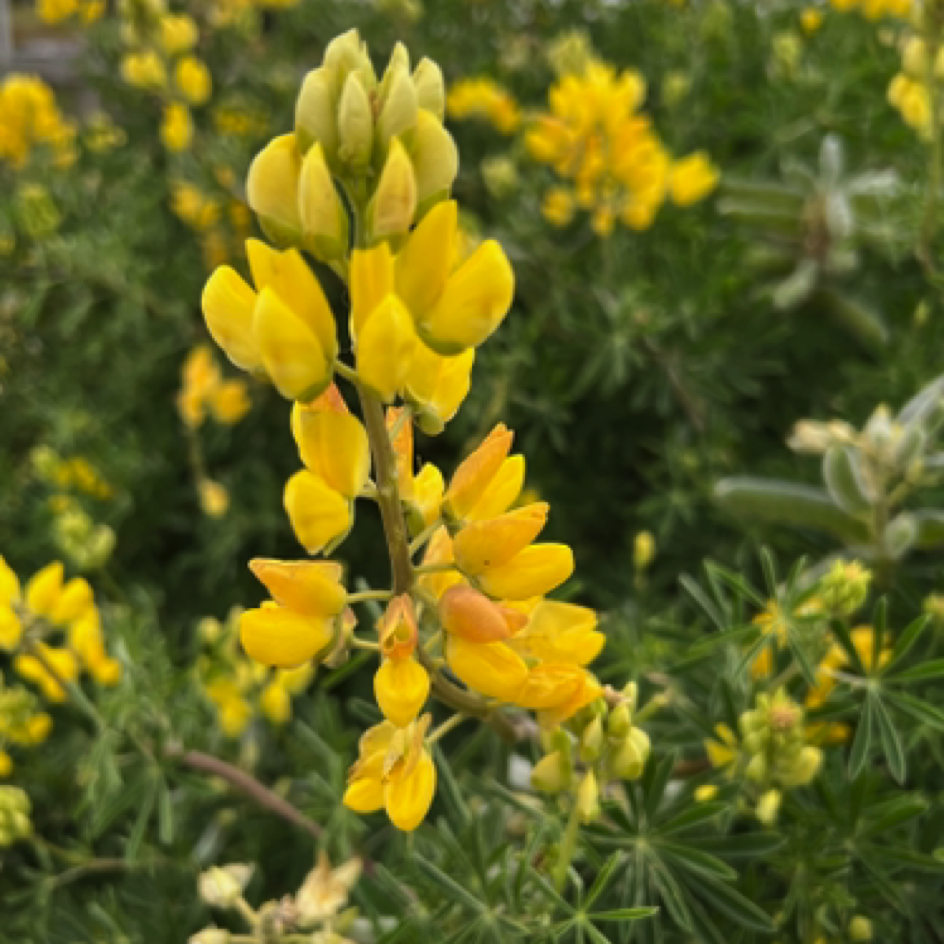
536,570
332,443
401,685
559,632
811,19
11,629
310,588
6,764
394,772
723,751
469,614
235,715
474,476
558,206
230,401
9,584
483,545
692,179
436,386
276,703
276,636
587,691
193,79
144,70
176,127
319,515
44,590
214,498
62,661
178,33
74,602
484,98
493,669
272,190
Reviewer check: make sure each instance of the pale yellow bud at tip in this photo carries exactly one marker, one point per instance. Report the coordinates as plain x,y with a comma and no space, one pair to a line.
324,219
391,210
315,114
355,125
430,88
588,798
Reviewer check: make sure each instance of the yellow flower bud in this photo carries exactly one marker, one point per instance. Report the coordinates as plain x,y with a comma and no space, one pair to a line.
426,500
176,127
276,703
473,303
588,798
493,669
282,638
333,446
44,589
482,545
692,179
309,588
470,615
319,515
591,741
355,126
6,764
385,348
214,499
75,600
324,219
315,114
424,263
228,307
290,351
391,209
474,475
435,161
400,107
536,570
706,792
551,773
401,687
346,53
178,34
644,550
628,761
193,79
860,929
430,88
272,190
768,807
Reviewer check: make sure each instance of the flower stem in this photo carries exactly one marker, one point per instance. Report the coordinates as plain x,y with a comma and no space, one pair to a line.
567,849
446,727
424,536
363,595
388,497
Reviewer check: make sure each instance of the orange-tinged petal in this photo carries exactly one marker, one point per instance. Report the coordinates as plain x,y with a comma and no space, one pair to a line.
364,795
279,637
536,570
503,490
228,306
319,515
439,551
589,690
398,629
550,685
407,798
485,544
402,450
423,265
371,282
469,614
474,475
473,304
310,588
333,446
401,687
492,669
291,353
385,348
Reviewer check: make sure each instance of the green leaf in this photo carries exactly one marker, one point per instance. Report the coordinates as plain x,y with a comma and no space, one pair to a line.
740,845
732,903
841,632
862,742
892,814
843,477
695,860
929,529
449,885
701,598
693,815
891,742
603,879
787,503
921,710
625,914
450,788
918,673
904,643
165,814
140,824
655,780
736,582
670,892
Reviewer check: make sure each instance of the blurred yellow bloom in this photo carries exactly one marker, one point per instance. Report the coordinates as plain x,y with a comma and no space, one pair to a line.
44,590
62,661
811,19
722,751
193,80
30,119
176,127
692,179
178,33
484,98
214,498
144,70
558,206
559,632
276,703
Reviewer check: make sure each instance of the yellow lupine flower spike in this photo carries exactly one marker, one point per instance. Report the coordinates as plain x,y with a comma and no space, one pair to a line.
486,544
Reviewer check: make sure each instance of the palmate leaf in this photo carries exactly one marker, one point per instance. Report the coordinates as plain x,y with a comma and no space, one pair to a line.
920,710
862,740
891,742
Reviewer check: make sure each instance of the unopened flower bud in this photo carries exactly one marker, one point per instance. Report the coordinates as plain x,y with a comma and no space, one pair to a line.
435,161
323,217
757,769
400,108
628,760
620,721
591,741
355,125
390,212
222,887
804,768
644,550
430,88
631,695
210,936
316,114
272,190
845,588
768,806
860,928
551,774
588,798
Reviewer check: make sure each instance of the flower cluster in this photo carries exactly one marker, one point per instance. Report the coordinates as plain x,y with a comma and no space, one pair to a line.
600,744
910,91
45,607
485,99
85,12
237,687
160,59
204,391
23,723
596,138
469,623
221,221
72,473
874,9
772,752
29,120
